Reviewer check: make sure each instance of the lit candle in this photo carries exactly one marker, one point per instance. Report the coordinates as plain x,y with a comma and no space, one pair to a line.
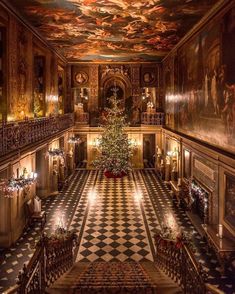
220,231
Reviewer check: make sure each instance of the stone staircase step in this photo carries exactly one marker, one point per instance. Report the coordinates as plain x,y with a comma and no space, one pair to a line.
164,284
161,283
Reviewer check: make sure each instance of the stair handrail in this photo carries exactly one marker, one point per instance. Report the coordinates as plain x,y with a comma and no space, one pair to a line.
52,257
176,259
213,290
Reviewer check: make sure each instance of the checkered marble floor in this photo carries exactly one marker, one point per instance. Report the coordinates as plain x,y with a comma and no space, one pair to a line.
62,205
169,214
114,223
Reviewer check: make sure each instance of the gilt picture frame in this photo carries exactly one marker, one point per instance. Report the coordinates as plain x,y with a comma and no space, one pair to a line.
81,77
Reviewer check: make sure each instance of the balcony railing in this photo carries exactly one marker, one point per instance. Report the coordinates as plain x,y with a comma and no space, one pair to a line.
155,118
15,135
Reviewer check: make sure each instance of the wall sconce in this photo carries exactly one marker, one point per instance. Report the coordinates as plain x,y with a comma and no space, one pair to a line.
133,143
96,143
146,94
173,153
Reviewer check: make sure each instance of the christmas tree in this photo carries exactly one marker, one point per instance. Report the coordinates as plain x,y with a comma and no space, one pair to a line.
115,148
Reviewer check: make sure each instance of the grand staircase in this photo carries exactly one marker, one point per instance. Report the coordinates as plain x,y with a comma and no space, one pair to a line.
114,277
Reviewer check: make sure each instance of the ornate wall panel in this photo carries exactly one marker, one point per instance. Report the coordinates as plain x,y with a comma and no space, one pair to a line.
100,79
21,47
94,87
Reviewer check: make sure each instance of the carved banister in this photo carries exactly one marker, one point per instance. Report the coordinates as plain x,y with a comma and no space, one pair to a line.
155,118
18,134
178,262
13,290
60,256
52,257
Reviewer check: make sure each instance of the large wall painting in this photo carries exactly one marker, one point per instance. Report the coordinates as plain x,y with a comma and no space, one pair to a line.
204,91
113,30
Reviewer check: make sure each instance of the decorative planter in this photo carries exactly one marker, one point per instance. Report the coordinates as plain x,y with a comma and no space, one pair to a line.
109,175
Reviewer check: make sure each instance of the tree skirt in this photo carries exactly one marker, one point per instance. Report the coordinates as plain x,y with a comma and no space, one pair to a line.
109,175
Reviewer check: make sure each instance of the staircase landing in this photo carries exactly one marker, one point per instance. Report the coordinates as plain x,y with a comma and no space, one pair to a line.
114,277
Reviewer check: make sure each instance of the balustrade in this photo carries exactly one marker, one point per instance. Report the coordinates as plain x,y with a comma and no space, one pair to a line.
15,135
178,262
155,118
52,258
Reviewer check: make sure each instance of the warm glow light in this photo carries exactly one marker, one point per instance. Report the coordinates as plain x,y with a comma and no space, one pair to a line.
171,222
92,196
186,153
96,143
138,195
133,143
53,98
59,221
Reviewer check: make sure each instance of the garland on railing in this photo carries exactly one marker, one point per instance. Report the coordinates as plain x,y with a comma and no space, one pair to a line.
74,140
53,256
177,260
177,237
56,153
17,184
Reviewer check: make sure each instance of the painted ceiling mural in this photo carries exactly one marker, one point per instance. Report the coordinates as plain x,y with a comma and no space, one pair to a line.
113,30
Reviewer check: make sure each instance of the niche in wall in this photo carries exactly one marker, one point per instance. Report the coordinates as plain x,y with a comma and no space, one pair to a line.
149,150
186,163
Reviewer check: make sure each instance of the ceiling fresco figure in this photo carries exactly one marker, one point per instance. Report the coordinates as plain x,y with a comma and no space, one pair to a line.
113,30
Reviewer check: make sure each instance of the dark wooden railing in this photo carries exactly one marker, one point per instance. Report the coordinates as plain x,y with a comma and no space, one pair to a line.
157,118
15,135
177,260
52,258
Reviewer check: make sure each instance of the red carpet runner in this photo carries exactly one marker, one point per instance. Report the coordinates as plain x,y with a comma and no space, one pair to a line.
114,278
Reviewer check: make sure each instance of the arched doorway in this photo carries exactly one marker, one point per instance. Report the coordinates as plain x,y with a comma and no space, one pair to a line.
149,150
80,152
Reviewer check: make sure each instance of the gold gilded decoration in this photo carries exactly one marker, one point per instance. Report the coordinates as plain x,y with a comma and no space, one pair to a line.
81,77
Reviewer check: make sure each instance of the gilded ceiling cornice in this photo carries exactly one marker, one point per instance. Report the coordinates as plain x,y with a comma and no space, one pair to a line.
113,62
